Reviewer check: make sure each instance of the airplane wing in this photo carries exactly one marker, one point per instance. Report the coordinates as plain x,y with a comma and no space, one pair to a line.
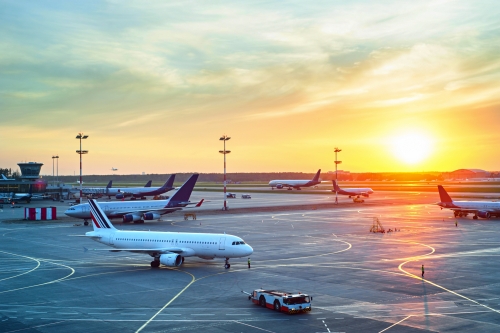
160,211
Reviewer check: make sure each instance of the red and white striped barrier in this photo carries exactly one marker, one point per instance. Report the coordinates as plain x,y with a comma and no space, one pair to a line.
43,213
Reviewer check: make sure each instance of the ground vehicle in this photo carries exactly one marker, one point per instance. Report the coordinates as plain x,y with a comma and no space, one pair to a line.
230,195
358,200
246,196
281,300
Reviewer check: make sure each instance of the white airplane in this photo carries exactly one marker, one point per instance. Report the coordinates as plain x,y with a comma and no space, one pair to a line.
352,192
140,211
166,248
482,209
97,190
141,192
297,184
114,169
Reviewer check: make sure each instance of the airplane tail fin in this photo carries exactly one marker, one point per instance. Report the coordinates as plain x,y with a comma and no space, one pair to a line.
169,183
184,192
99,220
336,187
148,184
3,177
443,195
316,177
109,184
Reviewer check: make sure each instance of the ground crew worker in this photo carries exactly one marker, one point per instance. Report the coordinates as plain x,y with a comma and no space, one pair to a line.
423,271
248,262
456,223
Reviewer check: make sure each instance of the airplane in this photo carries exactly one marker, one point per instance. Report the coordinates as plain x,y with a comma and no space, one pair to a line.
97,190
140,211
166,248
297,184
351,192
141,192
482,209
16,197
5,178
114,169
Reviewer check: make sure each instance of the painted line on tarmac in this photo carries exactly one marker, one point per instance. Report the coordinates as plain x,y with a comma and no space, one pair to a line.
417,258
399,322
193,279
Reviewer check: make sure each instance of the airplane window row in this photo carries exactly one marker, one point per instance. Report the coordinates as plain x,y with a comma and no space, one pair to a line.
238,243
163,241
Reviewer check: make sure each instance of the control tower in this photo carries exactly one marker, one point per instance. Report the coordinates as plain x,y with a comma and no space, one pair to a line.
30,170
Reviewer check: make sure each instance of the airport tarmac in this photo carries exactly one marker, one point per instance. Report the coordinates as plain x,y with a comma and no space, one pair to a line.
360,281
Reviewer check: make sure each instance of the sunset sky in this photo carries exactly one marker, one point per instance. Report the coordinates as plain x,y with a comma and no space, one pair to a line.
397,85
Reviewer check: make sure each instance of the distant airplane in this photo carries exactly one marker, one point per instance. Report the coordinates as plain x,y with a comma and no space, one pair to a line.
351,192
114,169
297,184
166,248
143,210
5,178
100,191
16,197
482,209
141,192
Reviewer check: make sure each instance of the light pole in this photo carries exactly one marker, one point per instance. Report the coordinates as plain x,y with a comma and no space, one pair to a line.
80,136
53,157
224,138
337,162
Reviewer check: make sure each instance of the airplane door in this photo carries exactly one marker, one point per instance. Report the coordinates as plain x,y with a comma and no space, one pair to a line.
112,239
222,242
176,242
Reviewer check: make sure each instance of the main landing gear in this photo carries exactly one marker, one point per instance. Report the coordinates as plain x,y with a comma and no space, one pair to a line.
227,265
85,222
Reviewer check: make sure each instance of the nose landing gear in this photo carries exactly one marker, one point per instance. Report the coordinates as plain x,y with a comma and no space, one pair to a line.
227,265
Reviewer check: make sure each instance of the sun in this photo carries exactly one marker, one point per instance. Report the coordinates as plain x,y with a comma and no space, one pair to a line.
412,147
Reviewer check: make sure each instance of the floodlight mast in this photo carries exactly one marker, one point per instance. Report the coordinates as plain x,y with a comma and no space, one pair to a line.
224,152
53,178
337,162
81,136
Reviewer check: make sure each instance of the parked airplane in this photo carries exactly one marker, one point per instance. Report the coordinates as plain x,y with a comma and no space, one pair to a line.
5,178
297,184
141,192
140,211
166,248
97,190
483,209
351,192
16,197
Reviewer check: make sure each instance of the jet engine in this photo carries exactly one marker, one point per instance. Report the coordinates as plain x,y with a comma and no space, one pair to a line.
171,260
279,186
366,195
119,196
484,215
150,216
131,218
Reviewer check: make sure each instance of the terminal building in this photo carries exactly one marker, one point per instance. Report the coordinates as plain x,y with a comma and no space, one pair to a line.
30,175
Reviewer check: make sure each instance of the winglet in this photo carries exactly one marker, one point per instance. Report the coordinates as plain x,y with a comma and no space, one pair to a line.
199,203
316,177
85,249
443,195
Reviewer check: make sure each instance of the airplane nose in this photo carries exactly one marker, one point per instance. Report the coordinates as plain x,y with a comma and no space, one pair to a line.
249,250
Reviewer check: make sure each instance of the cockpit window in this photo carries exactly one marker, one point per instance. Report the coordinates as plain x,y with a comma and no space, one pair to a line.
238,243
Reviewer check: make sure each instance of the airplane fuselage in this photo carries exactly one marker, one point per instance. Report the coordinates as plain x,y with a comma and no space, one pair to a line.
293,183
203,245
116,208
